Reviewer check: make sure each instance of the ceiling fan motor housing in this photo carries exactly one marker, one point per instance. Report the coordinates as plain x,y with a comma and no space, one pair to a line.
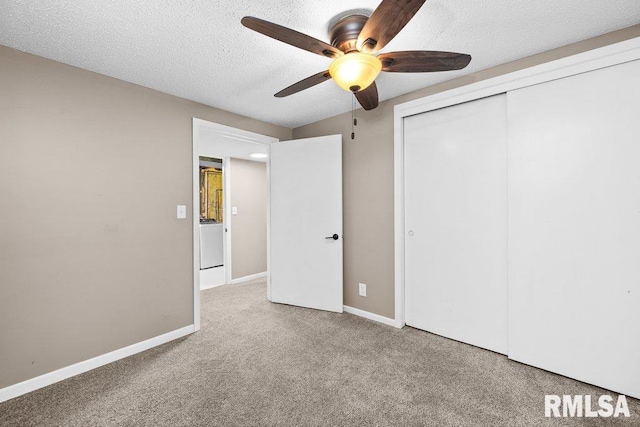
344,33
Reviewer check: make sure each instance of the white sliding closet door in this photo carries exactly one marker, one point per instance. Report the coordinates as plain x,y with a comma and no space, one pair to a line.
574,227
456,222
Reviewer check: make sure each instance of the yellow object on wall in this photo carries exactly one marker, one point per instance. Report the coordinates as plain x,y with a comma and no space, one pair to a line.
211,195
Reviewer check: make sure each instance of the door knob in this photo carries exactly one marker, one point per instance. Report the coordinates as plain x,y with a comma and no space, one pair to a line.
334,237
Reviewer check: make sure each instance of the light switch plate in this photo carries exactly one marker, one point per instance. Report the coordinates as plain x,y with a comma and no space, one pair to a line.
182,212
362,289
234,210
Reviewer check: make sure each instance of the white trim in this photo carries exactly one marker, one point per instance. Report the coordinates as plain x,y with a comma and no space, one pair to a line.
240,135
618,53
235,133
371,316
398,216
228,219
269,223
195,208
249,278
87,365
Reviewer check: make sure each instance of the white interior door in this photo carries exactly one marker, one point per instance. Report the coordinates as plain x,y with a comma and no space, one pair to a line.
456,222
306,212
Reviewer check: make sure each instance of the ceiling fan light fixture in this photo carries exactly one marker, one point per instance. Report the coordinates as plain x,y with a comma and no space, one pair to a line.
355,71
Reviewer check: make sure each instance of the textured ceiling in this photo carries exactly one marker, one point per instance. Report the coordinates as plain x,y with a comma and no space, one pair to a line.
197,49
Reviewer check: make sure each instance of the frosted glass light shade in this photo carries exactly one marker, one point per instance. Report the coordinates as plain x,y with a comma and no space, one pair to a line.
355,71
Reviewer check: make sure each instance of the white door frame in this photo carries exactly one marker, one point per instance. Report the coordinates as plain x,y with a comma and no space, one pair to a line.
618,53
229,133
226,194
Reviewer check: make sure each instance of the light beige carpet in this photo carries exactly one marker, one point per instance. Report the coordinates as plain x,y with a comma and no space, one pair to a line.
256,363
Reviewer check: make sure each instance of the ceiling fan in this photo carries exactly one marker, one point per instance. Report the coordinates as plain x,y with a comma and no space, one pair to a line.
355,40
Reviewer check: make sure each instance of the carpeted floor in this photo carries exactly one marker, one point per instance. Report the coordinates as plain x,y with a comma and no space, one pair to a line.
256,363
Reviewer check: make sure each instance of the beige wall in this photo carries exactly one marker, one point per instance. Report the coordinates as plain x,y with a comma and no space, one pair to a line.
92,257
368,179
249,226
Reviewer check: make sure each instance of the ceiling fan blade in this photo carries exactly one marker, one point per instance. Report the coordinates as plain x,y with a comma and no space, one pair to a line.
368,97
385,22
422,61
292,37
304,84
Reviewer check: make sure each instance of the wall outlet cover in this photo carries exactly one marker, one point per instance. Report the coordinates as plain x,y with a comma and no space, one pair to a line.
181,212
362,289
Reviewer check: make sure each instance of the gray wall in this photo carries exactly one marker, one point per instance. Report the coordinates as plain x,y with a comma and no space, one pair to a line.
249,226
368,179
92,257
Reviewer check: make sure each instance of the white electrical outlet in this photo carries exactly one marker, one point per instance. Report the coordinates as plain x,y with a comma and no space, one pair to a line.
363,289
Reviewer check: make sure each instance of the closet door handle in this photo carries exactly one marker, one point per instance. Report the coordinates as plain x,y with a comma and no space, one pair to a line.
334,237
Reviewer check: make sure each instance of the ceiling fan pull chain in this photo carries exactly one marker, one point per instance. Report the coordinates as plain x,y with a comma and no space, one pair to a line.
354,121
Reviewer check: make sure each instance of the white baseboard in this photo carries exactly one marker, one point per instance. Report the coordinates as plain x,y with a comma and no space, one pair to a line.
372,316
248,278
87,365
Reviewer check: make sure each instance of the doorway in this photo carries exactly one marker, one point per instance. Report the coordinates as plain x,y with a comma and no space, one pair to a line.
220,148
306,213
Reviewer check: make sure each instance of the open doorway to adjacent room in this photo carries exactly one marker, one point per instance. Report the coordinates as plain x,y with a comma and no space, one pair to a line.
230,206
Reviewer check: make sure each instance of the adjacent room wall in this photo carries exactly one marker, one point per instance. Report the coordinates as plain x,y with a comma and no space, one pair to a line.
368,178
249,226
92,257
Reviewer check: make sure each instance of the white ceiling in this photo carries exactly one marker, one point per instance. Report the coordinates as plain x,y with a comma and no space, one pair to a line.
197,49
